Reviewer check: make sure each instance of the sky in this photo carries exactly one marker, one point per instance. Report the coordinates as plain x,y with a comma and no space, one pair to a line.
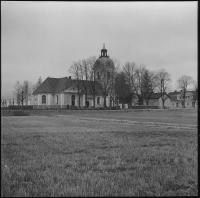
44,38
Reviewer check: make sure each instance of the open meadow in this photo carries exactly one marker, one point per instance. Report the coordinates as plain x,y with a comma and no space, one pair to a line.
100,153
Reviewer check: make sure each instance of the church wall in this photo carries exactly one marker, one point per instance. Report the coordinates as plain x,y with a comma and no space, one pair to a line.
153,102
50,99
67,100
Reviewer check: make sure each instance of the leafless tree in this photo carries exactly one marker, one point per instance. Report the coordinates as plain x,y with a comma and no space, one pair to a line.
182,83
18,92
195,88
38,83
75,70
27,91
149,84
129,71
163,82
105,80
92,84
85,73
138,82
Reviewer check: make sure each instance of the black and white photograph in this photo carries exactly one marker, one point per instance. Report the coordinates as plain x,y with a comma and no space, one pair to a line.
99,98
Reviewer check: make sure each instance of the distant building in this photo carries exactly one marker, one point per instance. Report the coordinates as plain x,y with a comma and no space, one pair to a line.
156,100
177,99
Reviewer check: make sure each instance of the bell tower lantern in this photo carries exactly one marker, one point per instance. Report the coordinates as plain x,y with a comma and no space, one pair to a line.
104,52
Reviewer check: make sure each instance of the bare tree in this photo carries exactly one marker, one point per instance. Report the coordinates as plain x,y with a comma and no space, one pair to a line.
92,85
129,72
112,75
38,83
182,83
149,84
163,82
75,70
85,73
27,91
138,82
105,80
195,88
18,92
121,88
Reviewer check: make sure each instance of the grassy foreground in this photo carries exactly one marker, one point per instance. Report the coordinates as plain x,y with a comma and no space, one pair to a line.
61,156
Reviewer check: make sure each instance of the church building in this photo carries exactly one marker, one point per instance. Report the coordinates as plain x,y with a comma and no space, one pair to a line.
62,92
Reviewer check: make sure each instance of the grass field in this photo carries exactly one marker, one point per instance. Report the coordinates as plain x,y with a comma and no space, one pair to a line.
100,153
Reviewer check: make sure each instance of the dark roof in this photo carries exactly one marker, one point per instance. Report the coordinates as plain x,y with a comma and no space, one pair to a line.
103,61
57,85
175,93
53,85
157,95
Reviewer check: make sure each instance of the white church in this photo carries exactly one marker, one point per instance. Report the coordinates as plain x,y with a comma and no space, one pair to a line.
62,92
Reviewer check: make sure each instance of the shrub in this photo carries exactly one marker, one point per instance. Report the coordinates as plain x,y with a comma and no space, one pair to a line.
18,107
4,108
115,108
144,107
20,113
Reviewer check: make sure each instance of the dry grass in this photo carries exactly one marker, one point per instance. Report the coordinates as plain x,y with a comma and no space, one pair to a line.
60,156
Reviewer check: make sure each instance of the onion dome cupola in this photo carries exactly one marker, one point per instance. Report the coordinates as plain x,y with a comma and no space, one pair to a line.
104,60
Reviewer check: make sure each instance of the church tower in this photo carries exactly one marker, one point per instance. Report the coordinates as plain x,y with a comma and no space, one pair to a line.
104,70
103,65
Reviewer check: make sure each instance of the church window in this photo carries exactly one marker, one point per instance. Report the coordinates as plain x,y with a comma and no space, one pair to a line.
98,100
44,99
98,75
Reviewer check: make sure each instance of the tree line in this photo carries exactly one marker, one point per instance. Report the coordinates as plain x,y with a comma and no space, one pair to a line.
126,83
120,84
22,93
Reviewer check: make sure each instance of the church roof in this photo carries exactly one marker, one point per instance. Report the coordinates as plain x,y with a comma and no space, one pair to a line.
57,85
53,85
104,61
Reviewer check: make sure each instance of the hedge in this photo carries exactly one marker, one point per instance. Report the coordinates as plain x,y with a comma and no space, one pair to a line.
18,107
143,107
20,113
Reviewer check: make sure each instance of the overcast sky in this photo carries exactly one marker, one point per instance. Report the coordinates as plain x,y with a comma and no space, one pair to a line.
44,38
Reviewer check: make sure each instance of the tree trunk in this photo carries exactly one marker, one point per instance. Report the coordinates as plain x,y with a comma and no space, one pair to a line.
110,102
86,100
94,101
163,101
104,101
79,100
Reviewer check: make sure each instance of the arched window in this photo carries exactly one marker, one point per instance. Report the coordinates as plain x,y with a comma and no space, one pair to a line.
73,100
44,100
98,100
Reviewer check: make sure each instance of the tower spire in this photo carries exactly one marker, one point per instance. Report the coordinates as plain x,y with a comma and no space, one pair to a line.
104,52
